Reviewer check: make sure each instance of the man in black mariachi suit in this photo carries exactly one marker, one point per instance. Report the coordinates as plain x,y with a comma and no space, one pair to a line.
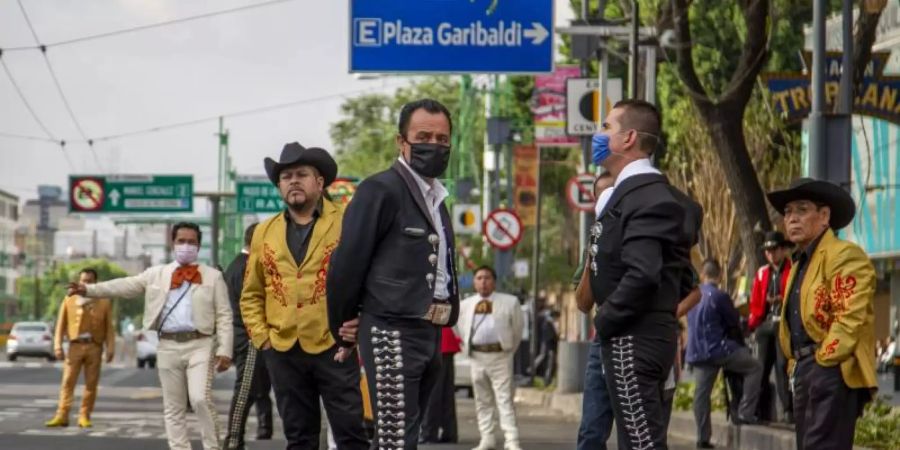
394,269
639,248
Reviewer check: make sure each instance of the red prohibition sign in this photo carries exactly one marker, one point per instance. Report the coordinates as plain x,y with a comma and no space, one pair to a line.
576,190
503,229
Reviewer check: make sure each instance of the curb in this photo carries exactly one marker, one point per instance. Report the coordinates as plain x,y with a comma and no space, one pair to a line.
681,425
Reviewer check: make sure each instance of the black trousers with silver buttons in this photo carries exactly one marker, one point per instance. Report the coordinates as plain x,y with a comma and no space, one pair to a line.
402,359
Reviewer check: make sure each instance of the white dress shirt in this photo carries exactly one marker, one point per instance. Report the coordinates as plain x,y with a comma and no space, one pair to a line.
434,194
634,168
180,319
484,329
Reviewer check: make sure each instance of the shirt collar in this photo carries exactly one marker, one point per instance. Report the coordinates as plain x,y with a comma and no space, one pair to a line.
602,200
436,188
807,253
316,213
637,167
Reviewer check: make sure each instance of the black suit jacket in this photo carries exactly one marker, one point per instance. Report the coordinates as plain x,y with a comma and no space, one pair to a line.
234,279
381,264
693,222
640,259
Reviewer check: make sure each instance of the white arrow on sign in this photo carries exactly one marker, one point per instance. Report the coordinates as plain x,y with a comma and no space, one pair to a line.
114,196
537,34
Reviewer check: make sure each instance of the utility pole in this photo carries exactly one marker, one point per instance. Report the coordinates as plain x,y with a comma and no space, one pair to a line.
830,137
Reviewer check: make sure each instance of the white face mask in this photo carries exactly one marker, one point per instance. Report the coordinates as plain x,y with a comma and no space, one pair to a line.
186,253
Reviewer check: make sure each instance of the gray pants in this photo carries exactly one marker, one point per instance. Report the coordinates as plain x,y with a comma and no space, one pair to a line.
740,362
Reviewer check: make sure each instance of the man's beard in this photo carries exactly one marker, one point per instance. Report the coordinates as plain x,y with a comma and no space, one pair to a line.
300,206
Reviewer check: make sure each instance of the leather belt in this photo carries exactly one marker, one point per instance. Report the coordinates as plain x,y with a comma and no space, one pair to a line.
438,312
803,352
182,336
487,348
81,341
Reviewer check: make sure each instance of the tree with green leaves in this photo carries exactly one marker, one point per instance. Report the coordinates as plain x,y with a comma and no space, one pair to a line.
52,289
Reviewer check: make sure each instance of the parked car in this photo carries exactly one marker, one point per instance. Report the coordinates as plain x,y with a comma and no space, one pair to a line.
30,339
147,341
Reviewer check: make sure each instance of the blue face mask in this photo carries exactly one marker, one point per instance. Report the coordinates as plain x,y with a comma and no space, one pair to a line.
600,148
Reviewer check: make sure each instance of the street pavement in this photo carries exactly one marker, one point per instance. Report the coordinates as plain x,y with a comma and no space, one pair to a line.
128,414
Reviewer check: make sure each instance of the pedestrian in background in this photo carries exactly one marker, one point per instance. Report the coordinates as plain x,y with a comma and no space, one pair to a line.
88,324
490,325
439,425
596,407
713,346
765,315
251,383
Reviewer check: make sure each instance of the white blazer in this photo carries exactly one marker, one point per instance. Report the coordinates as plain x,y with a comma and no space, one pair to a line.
210,309
507,315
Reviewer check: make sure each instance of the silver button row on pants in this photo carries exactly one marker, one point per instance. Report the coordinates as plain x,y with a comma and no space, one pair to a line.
389,389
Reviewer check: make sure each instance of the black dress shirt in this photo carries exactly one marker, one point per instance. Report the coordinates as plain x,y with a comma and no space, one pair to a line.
298,235
799,337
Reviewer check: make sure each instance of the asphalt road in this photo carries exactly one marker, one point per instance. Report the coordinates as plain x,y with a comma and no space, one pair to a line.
128,414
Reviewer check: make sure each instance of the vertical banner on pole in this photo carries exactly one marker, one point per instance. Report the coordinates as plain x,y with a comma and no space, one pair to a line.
549,107
525,169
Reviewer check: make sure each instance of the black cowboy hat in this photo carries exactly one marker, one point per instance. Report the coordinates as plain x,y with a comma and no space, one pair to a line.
775,239
294,154
838,200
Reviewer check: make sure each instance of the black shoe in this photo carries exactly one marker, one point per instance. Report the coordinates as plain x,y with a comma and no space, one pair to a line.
789,417
264,436
448,440
705,445
747,421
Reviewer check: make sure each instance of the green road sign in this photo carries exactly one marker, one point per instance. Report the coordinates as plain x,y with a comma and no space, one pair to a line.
257,195
131,193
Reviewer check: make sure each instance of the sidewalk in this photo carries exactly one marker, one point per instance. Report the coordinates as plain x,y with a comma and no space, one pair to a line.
682,425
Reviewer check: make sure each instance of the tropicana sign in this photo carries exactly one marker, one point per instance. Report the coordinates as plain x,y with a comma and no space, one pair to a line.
877,96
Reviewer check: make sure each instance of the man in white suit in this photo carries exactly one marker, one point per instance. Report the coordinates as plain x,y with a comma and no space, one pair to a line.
187,304
490,325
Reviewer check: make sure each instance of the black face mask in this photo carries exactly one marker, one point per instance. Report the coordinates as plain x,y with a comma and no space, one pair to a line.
429,160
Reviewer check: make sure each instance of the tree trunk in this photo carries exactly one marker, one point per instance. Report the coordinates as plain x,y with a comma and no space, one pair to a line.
725,124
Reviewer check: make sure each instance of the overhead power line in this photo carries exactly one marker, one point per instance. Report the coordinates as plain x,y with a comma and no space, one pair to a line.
91,37
62,95
169,126
12,80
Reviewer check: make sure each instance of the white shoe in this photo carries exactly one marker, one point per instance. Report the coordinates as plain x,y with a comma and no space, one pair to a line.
512,446
485,446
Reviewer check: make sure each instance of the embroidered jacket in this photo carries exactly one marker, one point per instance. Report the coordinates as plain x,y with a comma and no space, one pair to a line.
836,305
281,301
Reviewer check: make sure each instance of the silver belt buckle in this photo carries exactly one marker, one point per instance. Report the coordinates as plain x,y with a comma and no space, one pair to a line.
438,313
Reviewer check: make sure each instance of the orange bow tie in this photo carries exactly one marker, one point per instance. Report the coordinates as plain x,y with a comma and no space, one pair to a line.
185,273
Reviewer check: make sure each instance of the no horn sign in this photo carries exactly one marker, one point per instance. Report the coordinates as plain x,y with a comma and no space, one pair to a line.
503,229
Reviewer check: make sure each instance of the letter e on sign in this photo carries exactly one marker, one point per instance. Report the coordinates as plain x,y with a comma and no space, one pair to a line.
367,32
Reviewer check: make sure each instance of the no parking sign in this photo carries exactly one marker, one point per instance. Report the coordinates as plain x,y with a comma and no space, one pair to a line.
503,229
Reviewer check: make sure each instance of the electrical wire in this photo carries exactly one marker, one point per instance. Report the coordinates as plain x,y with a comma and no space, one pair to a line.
27,137
28,106
246,112
142,27
59,89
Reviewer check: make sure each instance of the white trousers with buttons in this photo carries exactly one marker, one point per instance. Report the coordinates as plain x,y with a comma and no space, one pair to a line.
492,381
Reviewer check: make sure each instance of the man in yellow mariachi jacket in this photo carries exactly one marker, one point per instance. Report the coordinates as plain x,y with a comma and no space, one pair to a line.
88,324
284,304
827,327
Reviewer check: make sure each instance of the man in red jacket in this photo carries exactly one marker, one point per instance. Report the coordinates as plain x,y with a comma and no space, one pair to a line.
765,312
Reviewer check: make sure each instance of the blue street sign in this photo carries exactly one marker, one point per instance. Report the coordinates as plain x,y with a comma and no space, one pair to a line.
451,36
